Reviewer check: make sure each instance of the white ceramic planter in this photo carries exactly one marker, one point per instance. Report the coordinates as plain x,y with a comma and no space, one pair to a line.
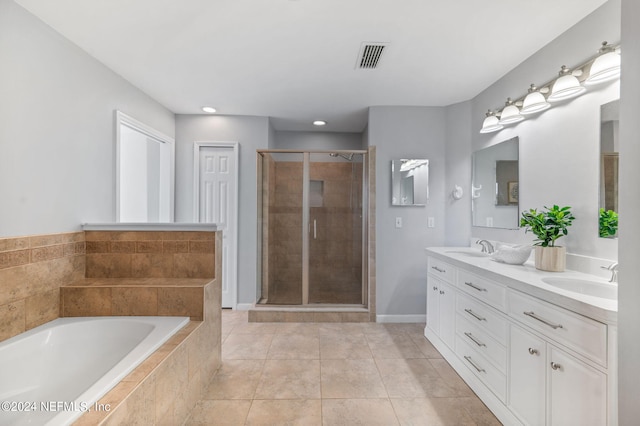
552,259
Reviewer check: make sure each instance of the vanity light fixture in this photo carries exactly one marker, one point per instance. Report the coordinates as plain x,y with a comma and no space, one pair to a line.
566,86
603,67
491,123
534,102
606,66
510,114
209,109
319,123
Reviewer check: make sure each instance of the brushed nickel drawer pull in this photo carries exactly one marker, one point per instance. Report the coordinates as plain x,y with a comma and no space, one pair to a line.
470,284
473,314
556,366
441,292
542,320
474,340
435,288
442,271
533,351
480,370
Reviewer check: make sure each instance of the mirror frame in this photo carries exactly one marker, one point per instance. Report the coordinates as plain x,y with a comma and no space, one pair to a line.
611,106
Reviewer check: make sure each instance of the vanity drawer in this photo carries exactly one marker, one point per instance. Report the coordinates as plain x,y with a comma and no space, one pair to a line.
441,269
482,341
490,292
483,317
584,335
493,378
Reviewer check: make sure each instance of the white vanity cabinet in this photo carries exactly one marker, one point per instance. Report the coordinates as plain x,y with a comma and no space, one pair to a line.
532,362
549,386
441,302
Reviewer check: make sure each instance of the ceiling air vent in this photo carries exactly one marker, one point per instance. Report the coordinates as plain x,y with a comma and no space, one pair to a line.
370,54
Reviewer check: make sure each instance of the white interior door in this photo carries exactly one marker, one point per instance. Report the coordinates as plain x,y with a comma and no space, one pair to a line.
216,202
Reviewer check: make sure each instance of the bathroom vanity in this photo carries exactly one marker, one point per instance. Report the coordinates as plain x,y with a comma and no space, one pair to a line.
538,348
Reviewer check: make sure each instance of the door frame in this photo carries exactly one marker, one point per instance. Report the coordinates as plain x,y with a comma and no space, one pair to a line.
233,233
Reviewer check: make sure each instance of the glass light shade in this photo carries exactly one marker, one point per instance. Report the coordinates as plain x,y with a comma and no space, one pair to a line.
606,67
533,103
510,114
491,124
566,86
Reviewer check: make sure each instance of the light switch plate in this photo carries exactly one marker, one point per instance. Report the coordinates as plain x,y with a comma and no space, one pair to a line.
431,222
398,222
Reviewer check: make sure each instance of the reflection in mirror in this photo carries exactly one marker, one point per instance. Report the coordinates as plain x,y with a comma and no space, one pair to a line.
409,182
608,205
495,186
144,173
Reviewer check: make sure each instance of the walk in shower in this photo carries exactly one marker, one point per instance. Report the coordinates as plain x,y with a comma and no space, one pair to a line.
311,217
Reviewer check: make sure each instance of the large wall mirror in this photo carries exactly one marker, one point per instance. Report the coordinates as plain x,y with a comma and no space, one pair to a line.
409,182
495,191
144,172
608,205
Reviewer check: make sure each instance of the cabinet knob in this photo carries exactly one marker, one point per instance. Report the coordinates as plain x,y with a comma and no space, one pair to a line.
533,351
441,292
435,288
556,366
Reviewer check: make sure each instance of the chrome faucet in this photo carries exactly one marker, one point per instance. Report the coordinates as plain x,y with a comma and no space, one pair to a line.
487,247
614,271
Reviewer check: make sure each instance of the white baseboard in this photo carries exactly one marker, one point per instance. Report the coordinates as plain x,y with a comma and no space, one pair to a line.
401,318
244,306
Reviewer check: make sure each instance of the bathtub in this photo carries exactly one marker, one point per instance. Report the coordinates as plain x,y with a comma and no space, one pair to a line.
52,374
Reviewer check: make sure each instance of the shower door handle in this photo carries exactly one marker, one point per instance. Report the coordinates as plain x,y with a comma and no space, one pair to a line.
314,229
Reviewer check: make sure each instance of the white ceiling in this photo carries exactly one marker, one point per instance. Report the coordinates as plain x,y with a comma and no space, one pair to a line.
295,60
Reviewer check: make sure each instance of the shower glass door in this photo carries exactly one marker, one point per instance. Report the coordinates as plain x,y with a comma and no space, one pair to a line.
335,237
311,221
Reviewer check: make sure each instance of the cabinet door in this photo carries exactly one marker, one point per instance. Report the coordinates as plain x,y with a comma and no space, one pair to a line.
527,354
447,308
577,392
433,313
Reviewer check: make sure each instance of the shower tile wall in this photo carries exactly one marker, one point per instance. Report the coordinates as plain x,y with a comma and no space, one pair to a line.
335,266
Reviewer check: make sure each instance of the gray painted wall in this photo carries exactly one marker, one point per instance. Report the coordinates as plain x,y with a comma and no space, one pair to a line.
628,288
560,148
251,133
57,140
317,140
406,132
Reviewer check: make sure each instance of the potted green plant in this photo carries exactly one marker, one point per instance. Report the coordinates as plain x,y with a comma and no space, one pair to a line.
608,223
548,226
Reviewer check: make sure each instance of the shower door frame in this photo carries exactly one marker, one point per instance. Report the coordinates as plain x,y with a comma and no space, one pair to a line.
306,210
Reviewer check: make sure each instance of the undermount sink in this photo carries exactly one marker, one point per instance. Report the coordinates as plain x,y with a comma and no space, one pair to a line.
469,253
590,288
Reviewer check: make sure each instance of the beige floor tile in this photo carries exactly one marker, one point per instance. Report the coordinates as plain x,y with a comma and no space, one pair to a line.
344,346
294,346
479,412
431,411
338,328
256,328
393,347
289,379
413,378
426,347
246,346
236,379
351,378
219,413
450,376
285,412
302,328
347,412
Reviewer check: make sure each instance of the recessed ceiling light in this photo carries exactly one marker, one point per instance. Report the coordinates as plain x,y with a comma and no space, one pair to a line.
209,109
319,123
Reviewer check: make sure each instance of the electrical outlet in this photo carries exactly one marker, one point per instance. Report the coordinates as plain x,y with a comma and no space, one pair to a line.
398,222
431,222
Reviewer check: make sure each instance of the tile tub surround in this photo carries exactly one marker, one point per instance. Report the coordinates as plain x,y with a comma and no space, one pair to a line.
166,386
150,254
32,270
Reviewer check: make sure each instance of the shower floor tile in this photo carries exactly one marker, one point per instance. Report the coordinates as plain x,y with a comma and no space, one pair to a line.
333,374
